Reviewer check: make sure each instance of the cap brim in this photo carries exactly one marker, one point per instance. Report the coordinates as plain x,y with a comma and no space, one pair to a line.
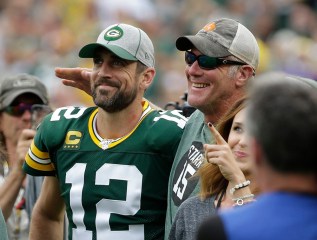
89,50
10,97
205,46
184,43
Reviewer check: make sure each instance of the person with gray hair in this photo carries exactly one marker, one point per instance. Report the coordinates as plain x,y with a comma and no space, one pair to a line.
281,124
220,60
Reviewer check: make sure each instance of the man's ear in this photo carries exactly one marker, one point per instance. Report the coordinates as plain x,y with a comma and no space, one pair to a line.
147,77
245,72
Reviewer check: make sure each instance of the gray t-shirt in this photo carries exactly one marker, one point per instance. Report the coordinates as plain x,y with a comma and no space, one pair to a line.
189,216
189,157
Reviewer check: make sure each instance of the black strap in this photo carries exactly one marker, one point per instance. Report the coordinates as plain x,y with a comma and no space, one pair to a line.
212,229
220,199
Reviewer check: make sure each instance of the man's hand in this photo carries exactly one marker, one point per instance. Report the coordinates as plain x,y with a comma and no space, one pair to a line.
75,77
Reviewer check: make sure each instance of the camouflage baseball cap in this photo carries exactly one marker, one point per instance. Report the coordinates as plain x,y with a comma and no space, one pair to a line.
125,41
221,38
13,86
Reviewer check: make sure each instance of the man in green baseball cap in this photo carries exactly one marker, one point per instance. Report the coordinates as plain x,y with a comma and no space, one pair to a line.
126,42
109,164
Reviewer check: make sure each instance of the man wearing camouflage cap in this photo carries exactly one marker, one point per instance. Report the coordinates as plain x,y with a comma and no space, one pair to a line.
18,95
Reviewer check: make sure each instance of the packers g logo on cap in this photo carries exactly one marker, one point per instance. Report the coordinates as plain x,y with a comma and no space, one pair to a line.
113,34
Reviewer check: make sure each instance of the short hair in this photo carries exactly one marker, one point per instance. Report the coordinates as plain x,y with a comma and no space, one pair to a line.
140,67
282,116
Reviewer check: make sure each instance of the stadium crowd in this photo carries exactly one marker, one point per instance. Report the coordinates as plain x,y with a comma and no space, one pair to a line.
36,36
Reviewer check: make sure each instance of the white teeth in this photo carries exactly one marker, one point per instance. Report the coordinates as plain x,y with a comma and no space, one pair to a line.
200,85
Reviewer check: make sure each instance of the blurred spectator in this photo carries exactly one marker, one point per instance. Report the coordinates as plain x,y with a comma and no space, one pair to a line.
36,36
19,94
281,121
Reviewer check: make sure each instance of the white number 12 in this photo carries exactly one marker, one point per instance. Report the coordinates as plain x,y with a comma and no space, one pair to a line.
105,207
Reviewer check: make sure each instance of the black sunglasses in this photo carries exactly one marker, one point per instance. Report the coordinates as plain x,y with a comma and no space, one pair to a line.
18,110
208,63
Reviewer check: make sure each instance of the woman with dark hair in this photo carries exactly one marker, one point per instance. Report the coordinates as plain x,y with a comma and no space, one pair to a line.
225,176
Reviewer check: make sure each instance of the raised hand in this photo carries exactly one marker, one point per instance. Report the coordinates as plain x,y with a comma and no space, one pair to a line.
221,155
75,77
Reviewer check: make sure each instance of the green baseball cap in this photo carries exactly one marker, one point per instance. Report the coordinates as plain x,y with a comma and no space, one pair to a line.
125,41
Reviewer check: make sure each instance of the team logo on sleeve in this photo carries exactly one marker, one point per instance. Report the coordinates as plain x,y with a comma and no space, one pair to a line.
72,140
183,182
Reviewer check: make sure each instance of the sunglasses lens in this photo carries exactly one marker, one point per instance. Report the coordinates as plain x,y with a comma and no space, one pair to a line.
18,110
204,61
207,62
190,58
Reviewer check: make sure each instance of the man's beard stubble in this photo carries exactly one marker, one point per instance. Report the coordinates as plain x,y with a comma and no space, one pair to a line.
119,101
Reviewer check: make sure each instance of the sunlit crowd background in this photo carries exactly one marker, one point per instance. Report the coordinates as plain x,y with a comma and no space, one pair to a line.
38,35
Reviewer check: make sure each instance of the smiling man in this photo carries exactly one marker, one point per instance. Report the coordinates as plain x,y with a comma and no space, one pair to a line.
221,58
108,165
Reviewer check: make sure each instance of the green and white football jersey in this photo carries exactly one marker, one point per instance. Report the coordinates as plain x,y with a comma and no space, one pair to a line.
113,190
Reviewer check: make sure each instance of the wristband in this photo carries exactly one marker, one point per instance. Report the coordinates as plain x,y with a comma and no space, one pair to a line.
243,202
239,186
240,200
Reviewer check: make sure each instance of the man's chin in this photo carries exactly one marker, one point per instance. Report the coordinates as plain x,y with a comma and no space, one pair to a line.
195,101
